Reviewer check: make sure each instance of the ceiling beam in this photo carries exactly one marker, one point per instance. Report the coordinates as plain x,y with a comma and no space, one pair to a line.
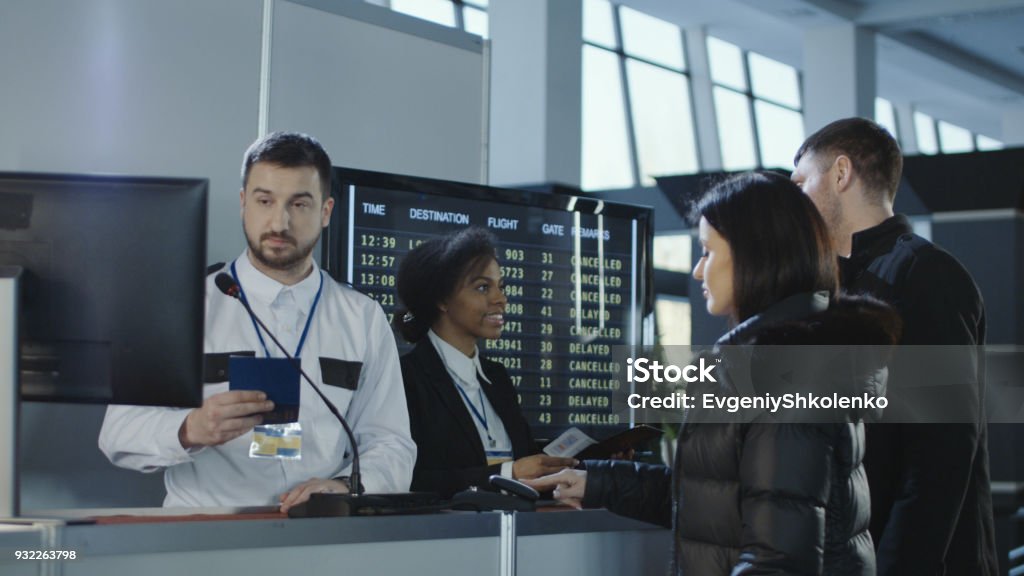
839,8
889,17
952,56
886,14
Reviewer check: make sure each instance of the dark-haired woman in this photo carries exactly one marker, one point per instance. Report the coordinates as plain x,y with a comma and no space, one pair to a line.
463,409
763,493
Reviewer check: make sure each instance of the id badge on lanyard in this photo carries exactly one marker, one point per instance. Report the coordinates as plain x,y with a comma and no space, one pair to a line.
498,456
281,436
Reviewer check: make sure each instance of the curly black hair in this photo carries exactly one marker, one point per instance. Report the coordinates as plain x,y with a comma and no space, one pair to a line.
431,272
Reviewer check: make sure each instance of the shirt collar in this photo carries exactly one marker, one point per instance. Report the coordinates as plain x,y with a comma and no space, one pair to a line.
465,370
261,288
867,242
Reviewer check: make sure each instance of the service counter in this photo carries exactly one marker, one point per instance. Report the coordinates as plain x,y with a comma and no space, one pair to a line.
589,542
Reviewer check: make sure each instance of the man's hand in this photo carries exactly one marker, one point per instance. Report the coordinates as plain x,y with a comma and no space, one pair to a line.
540,464
569,486
300,493
223,417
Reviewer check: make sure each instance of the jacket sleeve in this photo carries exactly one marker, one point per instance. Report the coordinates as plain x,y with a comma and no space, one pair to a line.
785,472
378,414
145,439
940,306
641,491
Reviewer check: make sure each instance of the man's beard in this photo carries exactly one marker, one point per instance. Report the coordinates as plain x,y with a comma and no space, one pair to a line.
284,259
832,214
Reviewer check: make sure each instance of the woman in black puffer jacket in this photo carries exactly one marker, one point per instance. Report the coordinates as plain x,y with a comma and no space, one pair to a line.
762,492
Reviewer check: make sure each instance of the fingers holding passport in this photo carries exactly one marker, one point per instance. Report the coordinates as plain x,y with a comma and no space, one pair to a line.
223,417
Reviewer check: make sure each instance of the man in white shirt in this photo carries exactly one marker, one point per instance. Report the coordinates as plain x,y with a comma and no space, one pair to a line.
341,337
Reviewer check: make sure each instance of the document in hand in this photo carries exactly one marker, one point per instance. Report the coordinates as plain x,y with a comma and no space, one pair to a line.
574,443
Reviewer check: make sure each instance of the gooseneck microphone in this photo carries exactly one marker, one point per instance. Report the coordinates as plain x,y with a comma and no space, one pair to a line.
228,286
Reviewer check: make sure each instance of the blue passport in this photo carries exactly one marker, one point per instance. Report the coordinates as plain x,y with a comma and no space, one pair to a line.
278,378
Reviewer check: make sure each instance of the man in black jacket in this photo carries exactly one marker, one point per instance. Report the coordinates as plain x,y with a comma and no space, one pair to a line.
931,506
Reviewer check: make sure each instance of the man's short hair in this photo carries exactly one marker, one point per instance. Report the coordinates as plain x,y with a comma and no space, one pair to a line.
875,155
289,150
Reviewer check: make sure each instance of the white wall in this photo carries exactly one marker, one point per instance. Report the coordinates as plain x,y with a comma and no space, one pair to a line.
378,98
151,87
140,87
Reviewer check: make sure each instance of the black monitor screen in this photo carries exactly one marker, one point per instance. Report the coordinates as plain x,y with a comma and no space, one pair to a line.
112,293
571,296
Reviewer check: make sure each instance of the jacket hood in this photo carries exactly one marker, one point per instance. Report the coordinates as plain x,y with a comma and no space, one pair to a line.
848,321
810,345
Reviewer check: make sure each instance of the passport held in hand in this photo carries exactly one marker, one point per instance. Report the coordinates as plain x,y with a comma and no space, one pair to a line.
278,378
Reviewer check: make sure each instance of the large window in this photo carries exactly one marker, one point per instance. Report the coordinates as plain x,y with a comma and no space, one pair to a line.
606,148
468,15
673,262
924,129
673,252
735,129
885,114
758,107
985,143
674,320
935,136
637,115
953,138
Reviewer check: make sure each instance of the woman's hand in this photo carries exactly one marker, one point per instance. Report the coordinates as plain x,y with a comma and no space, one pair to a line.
539,465
569,486
300,493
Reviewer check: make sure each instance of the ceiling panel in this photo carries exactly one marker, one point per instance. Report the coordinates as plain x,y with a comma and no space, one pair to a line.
961,60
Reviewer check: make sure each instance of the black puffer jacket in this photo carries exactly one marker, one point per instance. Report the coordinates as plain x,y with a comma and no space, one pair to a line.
762,497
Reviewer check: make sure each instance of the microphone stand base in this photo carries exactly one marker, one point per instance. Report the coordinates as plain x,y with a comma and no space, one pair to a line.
323,505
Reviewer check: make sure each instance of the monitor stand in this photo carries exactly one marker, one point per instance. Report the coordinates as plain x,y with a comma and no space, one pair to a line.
9,393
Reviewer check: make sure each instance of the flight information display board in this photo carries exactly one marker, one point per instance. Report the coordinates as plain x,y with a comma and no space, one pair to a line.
575,272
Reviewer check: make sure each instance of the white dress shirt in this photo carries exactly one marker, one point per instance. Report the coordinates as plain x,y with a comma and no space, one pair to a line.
467,372
346,326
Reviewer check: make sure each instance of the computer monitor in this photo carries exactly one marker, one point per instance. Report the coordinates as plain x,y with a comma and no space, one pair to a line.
577,272
112,293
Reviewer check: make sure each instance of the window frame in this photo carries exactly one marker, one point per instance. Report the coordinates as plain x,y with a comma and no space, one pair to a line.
627,98
751,98
457,5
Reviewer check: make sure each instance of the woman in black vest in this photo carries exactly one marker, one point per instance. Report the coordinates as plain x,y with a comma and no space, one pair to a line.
463,409
762,492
